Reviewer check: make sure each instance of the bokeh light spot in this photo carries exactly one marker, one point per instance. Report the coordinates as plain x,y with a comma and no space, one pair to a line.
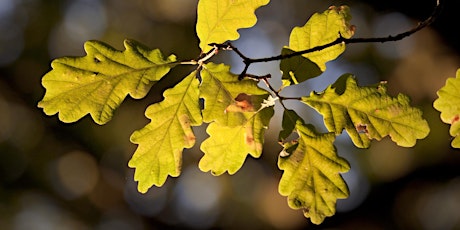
172,10
392,24
198,197
40,212
77,174
149,204
388,161
11,30
274,207
85,18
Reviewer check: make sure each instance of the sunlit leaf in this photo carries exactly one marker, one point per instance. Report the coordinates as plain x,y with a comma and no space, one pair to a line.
219,20
98,82
321,29
368,113
226,98
238,121
448,103
311,179
227,147
161,142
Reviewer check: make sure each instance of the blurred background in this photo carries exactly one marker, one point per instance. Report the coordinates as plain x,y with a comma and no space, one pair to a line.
75,176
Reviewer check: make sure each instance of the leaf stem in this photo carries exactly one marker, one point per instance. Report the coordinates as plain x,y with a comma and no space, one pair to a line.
202,58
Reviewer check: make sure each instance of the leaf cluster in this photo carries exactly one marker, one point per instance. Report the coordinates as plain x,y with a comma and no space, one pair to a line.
237,109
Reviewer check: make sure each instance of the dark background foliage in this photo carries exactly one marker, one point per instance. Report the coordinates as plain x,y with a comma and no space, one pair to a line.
75,176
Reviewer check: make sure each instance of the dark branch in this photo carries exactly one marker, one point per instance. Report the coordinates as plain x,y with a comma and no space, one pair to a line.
340,40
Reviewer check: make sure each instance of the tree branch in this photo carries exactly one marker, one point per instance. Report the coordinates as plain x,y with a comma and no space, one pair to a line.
340,40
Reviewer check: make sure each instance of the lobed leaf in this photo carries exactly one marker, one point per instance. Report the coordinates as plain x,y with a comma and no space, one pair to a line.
311,179
227,147
448,103
226,98
238,121
368,113
219,20
161,142
98,82
321,29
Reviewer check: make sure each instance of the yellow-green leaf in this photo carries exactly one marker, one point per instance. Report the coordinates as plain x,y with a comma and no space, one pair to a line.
227,147
98,82
219,20
448,103
311,179
161,142
368,113
226,97
321,29
238,122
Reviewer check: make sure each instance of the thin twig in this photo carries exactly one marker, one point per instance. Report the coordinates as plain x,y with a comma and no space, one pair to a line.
340,40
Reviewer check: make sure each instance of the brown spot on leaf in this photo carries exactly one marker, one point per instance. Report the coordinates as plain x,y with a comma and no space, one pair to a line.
242,103
250,141
189,137
362,128
455,119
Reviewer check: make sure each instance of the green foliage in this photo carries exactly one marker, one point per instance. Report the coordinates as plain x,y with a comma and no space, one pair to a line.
238,122
218,21
237,110
161,142
322,29
448,104
98,82
227,100
368,113
311,178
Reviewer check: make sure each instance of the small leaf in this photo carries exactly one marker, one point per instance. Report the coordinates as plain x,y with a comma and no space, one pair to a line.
161,142
219,20
98,82
290,118
311,179
224,95
297,69
448,103
368,113
322,29
227,147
